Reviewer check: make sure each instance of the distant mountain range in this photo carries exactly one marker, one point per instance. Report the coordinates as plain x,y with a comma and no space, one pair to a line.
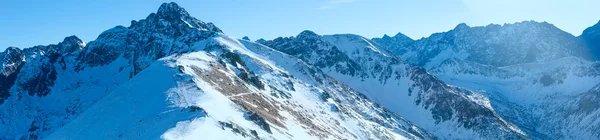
535,75
172,76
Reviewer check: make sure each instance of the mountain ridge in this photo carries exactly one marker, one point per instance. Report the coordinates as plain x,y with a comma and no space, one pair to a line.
164,77
545,69
360,62
172,76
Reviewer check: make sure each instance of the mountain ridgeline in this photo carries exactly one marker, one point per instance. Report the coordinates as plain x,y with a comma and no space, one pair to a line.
534,74
172,76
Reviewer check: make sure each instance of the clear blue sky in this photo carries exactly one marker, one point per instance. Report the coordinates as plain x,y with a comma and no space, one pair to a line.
25,23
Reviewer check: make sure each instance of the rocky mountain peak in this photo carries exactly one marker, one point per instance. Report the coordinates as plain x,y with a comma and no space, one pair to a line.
402,36
591,36
396,43
12,49
172,18
398,37
10,55
172,11
246,38
70,44
592,32
72,40
307,34
461,26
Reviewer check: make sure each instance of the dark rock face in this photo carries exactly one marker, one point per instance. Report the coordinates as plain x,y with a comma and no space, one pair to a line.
11,61
258,120
34,71
173,12
445,104
591,37
246,38
42,83
396,44
40,62
40,69
310,47
98,53
148,39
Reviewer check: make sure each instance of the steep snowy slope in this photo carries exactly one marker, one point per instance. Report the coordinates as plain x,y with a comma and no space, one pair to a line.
528,94
218,79
584,110
172,76
446,111
528,70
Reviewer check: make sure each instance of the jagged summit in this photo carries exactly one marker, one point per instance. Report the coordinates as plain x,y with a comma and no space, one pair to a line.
401,36
261,40
172,11
520,42
71,44
307,34
11,48
395,44
246,38
385,36
521,26
461,26
72,40
171,16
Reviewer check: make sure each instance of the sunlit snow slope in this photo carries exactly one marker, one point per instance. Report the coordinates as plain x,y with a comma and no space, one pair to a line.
171,76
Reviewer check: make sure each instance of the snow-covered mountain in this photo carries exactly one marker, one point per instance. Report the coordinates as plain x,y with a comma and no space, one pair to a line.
528,70
390,43
446,111
171,76
522,42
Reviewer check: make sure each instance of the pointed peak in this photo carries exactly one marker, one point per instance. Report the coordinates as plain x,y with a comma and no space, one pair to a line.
171,10
12,49
307,34
72,39
261,40
386,37
70,44
246,38
462,26
400,35
172,16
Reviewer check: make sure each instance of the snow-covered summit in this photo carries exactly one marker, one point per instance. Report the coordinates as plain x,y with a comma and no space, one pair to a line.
522,42
307,34
172,76
528,70
366,66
